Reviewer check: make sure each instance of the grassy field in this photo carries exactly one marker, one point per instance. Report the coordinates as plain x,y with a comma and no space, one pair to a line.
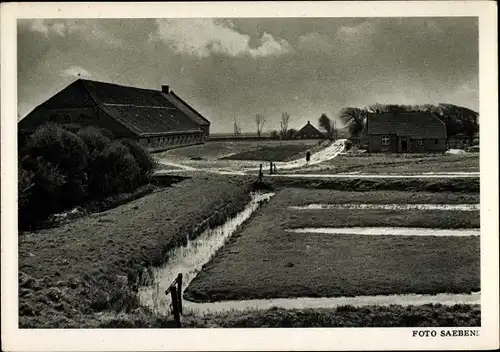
96,262
301,196
434,185
263,261
398,163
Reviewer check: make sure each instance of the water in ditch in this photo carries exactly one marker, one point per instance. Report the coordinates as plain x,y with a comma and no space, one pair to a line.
388,231
333,302
377,206
189,260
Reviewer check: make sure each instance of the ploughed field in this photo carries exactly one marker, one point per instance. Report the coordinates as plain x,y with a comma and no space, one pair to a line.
240,150
264,260
237,154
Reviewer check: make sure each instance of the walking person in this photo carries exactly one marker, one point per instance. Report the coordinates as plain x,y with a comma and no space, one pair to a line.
261,174
308,156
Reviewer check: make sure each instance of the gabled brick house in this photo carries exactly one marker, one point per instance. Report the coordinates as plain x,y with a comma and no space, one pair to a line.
158,120
405,132
308,132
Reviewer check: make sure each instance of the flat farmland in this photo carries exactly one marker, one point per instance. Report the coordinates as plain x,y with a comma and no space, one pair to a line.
262,260
211,150
398,163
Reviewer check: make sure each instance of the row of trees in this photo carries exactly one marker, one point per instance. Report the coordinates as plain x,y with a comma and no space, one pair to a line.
59,169
260,121
458,119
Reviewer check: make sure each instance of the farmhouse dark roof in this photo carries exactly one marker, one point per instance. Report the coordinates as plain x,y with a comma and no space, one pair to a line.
143,111
415,124
308,129
186,108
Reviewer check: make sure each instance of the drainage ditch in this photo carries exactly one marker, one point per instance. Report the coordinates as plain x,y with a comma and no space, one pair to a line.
189,259
377,206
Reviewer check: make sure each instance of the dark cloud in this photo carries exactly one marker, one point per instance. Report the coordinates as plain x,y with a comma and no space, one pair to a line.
240,67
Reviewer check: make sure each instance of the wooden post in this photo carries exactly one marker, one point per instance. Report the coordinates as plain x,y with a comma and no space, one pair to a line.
179,292
270,168
175,305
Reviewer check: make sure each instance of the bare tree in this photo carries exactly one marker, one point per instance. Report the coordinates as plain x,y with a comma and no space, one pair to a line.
237,129
259,121
285,119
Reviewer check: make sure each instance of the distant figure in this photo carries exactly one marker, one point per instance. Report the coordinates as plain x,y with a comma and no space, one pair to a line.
270,168
275,169
261,174
308,156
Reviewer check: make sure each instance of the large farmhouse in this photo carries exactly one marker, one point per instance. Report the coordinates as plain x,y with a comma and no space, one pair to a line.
158,120
308,132
405,132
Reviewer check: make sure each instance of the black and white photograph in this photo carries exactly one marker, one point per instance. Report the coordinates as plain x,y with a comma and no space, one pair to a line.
185,172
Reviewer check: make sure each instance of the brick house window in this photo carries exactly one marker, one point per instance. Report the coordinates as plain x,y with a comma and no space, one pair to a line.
420,142
385,140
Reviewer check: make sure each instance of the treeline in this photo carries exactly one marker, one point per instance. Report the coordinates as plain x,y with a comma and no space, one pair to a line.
59,169
459,120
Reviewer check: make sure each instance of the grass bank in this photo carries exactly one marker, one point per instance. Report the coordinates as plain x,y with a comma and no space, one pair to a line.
429,315
96,263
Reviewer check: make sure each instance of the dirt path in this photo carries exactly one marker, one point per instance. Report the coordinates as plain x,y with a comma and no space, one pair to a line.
237,168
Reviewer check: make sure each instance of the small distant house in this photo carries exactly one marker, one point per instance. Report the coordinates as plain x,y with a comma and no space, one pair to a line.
157,119
308,132
405,132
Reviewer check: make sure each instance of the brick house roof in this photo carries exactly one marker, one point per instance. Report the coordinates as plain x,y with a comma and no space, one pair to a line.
143,111
414,124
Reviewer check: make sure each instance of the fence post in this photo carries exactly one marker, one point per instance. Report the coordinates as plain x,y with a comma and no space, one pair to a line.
175,305
270,168
179,291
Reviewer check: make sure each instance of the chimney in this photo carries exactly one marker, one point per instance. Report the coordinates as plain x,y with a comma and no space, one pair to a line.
165,89
308,122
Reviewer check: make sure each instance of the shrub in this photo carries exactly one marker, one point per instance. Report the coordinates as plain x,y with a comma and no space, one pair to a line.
144,159
59,169
348,144
94,139
66,151
114,171
475,141
40,192
59,147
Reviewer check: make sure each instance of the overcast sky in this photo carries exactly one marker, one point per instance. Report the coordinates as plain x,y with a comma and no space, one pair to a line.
239,67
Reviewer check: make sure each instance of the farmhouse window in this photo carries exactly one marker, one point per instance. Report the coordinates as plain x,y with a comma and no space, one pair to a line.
436,141
420,142
385,140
